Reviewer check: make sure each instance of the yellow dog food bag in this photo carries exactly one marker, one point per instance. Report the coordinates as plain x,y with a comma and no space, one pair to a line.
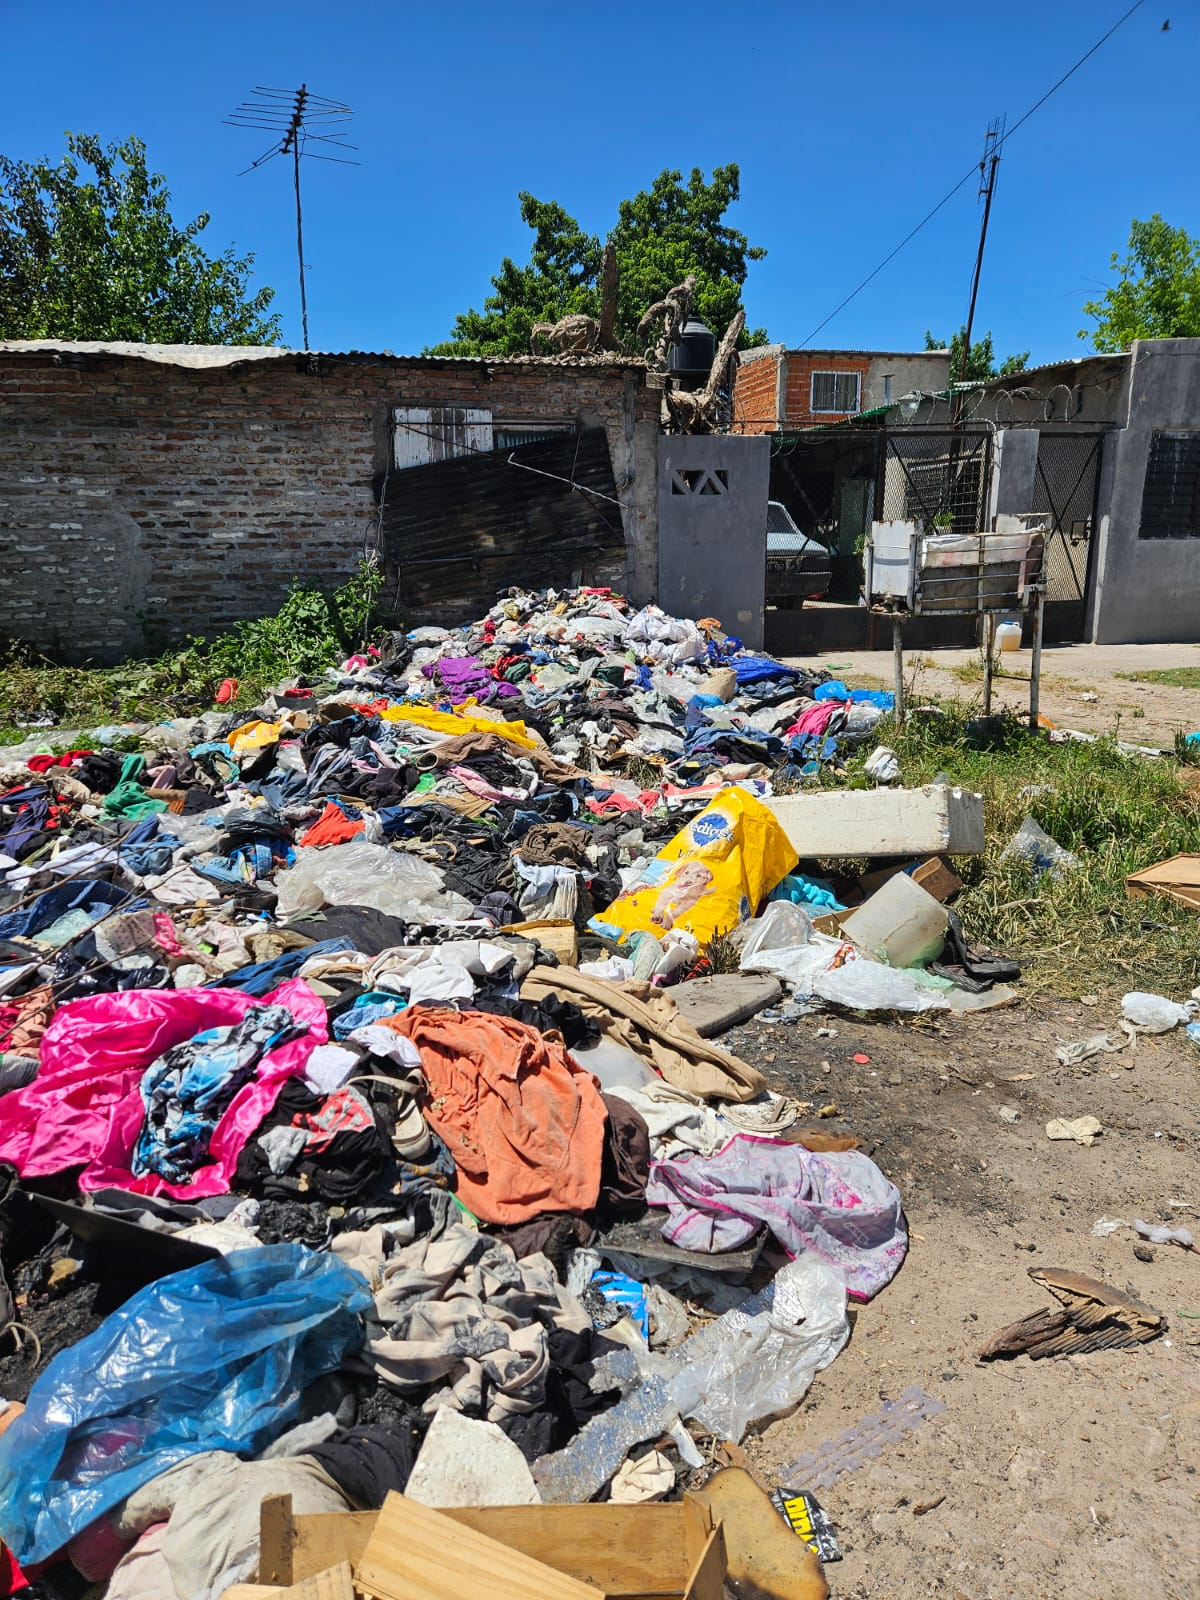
712,876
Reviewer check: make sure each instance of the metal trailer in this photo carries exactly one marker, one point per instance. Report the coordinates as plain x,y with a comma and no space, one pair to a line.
912,572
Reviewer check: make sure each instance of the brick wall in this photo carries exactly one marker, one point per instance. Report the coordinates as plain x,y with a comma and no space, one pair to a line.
141,502
801,364
756,394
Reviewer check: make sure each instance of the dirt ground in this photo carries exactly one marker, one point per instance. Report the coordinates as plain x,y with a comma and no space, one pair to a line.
1073,1477
1147,713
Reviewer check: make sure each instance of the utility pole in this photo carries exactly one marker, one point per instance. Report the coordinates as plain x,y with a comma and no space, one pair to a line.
295,116
988,166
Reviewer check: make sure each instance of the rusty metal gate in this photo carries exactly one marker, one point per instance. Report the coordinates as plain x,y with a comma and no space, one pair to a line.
937,478
1068,473
826,478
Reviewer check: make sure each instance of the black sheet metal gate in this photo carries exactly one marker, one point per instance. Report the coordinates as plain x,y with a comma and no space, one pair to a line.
1067,478
835,481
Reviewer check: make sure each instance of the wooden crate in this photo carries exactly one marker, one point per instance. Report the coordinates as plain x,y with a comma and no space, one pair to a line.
576,1552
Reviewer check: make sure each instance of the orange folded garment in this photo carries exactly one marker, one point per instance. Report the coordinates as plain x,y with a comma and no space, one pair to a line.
333,826
523,1122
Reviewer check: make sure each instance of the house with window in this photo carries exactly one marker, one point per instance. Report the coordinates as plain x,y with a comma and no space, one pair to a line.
777,389
1108,447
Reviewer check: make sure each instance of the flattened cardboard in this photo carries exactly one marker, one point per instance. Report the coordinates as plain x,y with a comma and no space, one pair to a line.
1177,878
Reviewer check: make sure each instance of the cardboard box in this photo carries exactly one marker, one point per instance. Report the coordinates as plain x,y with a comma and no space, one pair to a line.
1178,879
935,875
938,878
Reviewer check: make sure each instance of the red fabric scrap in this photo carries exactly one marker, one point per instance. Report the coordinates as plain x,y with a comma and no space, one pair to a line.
333,826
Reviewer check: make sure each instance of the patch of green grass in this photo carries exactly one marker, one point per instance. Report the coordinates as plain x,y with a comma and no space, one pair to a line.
1173,677
310,631
1116,813
972,671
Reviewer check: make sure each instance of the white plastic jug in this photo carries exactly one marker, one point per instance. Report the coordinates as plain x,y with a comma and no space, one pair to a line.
1008,637
901,924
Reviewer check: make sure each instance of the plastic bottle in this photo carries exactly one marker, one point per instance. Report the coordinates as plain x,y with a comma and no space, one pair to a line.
1008,637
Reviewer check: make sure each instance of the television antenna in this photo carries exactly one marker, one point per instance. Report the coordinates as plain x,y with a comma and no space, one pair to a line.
297,118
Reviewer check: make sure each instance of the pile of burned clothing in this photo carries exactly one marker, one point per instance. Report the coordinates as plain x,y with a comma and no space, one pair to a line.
343,1086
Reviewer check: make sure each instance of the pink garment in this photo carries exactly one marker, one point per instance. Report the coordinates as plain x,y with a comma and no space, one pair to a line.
472,780
84,1108
837,1205
619,803
816,719
165,936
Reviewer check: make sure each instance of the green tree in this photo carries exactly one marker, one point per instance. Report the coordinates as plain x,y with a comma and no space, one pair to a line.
89,250
1157,293
981,362
662,234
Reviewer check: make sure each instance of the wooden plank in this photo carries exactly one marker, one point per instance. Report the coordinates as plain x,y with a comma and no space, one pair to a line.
697,1526
415,1553
325,1537
622,1550
707,1578
276,1534
335,1583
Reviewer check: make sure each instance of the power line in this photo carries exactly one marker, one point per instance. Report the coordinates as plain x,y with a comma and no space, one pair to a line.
971,171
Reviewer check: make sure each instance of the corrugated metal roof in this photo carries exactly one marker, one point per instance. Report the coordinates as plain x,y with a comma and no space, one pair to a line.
1057,366
907,355
207,356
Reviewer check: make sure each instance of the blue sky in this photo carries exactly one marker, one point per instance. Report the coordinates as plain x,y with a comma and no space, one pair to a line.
848,123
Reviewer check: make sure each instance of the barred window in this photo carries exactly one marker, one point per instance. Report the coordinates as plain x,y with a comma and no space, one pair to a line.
1171,493
836,391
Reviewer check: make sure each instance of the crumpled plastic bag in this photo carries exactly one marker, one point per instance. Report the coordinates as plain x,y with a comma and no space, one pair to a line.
1033,844
760,1359
363,874
1154,1013
215,1358
711,877
782,926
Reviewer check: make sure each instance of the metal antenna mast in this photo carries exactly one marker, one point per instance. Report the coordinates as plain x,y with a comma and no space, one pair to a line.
297,118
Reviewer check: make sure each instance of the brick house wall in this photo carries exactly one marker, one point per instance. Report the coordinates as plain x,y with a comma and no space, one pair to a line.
756,391
143,500
801,364
884,377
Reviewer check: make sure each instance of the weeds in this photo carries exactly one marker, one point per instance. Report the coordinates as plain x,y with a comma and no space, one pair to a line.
1116,813
1173,677
309,632
719,954
972,671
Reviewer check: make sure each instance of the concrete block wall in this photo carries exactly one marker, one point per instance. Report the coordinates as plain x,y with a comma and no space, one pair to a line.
142,502
1147,591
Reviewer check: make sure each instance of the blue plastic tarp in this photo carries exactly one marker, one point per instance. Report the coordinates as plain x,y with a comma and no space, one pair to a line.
215,1358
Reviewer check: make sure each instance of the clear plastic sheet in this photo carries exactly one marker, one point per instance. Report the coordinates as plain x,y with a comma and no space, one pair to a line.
362,874
761,1358
755,1361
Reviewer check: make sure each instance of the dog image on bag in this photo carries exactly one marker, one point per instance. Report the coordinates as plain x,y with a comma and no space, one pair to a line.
709,878
683,890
